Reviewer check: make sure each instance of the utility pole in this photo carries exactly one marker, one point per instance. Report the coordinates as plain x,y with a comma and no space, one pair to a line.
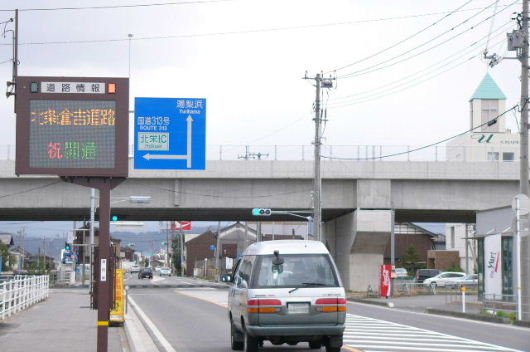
518,42
182,245
167,246
22,233
523,57
320,83
217,252
523,242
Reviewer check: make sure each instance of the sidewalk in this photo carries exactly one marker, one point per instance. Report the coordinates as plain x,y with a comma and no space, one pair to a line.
421,303
439,304
63,322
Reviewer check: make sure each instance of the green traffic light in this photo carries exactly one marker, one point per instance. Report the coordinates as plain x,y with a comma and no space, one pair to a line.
115,218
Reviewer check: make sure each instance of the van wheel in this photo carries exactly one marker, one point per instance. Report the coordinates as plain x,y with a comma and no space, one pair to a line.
235,339
251,343
315,344
332,349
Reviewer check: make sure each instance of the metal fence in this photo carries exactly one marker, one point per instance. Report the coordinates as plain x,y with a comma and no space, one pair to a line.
21,292
331,152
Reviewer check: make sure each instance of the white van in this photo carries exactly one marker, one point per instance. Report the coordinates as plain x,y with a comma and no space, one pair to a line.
286,292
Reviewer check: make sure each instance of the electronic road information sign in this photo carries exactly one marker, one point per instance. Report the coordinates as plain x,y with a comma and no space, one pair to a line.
72,126
170,133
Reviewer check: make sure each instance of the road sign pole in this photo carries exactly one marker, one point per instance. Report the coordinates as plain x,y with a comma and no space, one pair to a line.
104,274
103,277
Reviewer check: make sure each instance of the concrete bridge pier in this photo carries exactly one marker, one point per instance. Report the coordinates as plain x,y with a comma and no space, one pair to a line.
357,242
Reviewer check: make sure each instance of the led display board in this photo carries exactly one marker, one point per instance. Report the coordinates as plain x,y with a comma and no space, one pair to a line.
72,126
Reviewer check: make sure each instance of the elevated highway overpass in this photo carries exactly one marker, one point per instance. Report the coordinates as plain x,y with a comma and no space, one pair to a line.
356,198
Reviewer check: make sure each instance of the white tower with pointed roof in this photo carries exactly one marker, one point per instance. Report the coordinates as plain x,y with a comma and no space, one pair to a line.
487,102
489,139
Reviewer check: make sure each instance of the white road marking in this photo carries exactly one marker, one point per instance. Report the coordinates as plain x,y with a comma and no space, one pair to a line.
373,335
167,346
210,295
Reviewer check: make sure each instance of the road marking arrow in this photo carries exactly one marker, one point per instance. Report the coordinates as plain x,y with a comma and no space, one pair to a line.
187,156
164,156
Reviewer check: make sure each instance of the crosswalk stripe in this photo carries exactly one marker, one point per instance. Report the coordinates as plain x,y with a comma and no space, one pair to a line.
373,335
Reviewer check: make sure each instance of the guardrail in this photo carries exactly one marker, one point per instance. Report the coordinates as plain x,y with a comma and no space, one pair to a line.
412,288
21,292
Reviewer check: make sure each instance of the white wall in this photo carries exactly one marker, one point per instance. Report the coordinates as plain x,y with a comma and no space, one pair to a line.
455,235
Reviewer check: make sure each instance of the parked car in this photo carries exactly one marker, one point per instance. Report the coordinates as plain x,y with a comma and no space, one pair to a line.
286,292
145,273
468,280
164,271
446,278
422,274
401,272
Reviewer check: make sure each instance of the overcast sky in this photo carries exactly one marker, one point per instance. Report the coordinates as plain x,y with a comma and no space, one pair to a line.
248,57
405,69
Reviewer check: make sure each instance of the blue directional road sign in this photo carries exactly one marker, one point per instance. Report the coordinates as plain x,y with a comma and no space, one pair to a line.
170,133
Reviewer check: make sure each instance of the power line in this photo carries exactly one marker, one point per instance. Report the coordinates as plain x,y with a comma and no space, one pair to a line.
493,120
459,53
397,84
213,34
377,67
400,41
172,3
284,127
30,189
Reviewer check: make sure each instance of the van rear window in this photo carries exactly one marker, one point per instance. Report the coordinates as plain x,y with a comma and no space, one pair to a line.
297,270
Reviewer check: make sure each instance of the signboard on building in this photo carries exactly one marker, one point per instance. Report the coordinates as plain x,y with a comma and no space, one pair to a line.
181,225
72,126
170,133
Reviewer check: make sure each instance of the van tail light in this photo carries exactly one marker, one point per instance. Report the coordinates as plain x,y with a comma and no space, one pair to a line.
264,305
330,305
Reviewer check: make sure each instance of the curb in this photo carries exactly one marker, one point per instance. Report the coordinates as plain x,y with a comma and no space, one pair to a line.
471,316
490,319
138,337
375,303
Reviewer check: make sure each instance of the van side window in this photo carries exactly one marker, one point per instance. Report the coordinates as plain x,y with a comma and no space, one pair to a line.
246,268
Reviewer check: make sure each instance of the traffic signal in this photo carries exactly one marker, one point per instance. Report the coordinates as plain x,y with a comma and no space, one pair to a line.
261,212
114,218
67,246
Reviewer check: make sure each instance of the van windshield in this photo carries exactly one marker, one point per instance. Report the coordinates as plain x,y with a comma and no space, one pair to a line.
297,270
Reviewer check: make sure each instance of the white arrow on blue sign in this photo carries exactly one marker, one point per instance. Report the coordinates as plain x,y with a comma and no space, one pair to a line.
170,133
